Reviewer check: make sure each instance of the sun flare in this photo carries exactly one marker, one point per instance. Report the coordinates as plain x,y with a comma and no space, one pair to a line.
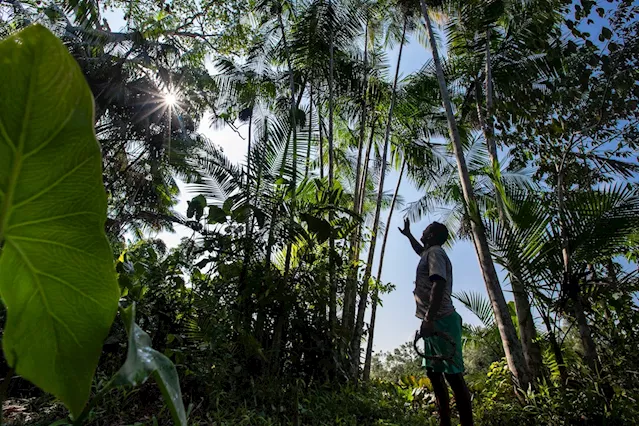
170,99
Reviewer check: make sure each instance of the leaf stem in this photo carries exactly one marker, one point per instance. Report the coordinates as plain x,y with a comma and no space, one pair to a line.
94,401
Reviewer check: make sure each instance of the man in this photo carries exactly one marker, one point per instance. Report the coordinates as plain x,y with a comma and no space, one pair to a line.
434,282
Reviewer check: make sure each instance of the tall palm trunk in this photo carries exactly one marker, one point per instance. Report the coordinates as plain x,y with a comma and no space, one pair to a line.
261,316
320,141
363,123
245,312
363,189
365,171
333,285
248,186
510,342
363,178
350,310
267,260
588,345
374,298
352,281
555,346
364,291
281,316
526,325
530,348
308,159
293,107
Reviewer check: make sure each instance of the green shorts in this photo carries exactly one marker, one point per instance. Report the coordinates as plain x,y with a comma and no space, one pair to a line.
452,325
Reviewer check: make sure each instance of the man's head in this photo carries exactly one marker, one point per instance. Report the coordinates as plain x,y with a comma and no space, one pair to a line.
435,234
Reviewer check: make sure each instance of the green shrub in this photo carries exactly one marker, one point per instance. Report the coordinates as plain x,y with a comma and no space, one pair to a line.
586,399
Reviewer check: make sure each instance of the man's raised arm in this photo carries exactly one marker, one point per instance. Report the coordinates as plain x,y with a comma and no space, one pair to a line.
417,247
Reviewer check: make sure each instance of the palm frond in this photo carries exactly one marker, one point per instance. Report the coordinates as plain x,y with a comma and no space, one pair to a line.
478,304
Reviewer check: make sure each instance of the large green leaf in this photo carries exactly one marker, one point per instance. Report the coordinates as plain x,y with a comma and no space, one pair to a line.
143,361
56,268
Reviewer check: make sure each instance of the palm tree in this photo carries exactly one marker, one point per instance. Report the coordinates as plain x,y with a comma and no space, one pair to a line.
376,96
417,120
508,28
321,39
374,296
332,272
487,334
350,291
512,347
595,224
364,292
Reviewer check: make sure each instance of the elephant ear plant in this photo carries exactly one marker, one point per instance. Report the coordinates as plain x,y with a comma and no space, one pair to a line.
57,277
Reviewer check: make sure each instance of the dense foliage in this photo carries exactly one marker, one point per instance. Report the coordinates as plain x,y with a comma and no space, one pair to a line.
521,129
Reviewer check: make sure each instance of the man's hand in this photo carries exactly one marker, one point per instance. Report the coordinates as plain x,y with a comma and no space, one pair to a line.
406,231
427,328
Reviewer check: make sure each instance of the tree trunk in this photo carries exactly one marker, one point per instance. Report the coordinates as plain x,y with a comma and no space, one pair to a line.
261,316
555,346
293,133
333,285
510,342
365,174
350,309
249,150
491,144
611,272
588,345
526,325
531,349
293,107
244,298
352,281
364,292
374,298
320,143
277,342
308,159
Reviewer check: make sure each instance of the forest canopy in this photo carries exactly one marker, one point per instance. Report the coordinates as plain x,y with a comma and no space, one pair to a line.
519,130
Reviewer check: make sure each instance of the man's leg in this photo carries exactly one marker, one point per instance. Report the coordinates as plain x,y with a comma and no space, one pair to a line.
442,397
463,398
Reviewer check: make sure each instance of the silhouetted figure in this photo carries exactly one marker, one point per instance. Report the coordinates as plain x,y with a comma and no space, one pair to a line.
434,283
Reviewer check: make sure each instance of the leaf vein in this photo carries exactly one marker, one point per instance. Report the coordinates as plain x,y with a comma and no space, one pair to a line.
6,137
38,286
50,219
55,133
54,243
69,285
53,185
35,272
28,103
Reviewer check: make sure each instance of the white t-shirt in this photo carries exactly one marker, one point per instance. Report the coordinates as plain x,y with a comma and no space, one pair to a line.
434,264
